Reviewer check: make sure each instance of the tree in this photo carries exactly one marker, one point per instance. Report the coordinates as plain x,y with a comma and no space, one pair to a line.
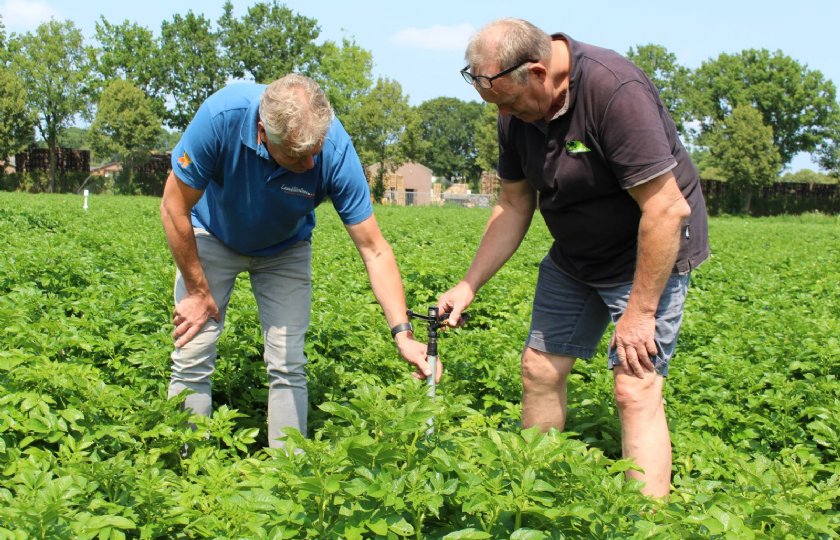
378,129
268,42
54,66
670,78
189,48
827,154
487,138
166,141
745,152
345,75
797,102
16,129
449,126
807,176
2,40
74,137
131,52
125,127
829,158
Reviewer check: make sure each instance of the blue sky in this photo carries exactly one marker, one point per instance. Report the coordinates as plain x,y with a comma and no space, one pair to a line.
420,44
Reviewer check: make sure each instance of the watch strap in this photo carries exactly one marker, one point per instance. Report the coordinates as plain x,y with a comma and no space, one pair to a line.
402,327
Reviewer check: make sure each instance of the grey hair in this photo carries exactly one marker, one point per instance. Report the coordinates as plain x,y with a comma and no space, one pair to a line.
295,113
505,43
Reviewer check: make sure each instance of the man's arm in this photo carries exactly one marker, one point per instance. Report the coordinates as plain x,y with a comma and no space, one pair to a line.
664,210
193,310
505,230
385,280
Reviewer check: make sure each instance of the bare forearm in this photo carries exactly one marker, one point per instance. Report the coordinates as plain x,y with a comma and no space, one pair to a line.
181,239
386,283
658,246
504,233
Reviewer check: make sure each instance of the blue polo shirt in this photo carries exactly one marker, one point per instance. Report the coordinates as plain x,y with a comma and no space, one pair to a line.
250,203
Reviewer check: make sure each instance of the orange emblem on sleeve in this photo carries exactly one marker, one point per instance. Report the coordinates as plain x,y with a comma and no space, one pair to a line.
184,160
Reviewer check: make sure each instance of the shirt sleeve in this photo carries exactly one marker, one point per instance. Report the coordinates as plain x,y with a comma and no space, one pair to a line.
633,135
510,162
347,185
194,157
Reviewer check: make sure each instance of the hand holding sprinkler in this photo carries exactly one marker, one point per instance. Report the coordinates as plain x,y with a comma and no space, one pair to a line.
436,320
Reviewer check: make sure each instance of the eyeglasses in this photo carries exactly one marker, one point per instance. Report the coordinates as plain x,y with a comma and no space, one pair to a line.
482,81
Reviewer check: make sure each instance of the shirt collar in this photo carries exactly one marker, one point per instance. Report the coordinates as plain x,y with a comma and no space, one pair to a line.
248,132
573,65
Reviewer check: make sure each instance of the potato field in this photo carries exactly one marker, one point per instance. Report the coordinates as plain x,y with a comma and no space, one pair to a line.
91,448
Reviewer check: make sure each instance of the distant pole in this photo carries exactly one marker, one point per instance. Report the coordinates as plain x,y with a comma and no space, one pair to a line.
85,206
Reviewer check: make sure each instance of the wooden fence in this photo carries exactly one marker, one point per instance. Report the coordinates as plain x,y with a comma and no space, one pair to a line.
775,199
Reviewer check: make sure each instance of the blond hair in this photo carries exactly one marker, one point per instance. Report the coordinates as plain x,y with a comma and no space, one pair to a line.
295,112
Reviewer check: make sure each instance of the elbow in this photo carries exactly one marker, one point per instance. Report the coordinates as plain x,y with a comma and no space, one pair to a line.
680,210
165,214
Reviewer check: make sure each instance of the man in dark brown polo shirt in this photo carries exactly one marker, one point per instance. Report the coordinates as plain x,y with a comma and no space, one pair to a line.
583,135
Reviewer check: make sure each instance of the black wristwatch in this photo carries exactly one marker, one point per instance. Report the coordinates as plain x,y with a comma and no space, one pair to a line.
402,327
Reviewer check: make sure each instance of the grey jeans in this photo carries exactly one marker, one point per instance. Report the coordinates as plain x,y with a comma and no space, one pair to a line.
282,287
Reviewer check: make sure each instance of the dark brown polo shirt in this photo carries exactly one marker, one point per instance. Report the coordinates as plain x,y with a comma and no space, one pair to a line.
615,134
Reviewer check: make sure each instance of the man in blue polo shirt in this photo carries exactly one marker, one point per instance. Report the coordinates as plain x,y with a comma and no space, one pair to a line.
246,177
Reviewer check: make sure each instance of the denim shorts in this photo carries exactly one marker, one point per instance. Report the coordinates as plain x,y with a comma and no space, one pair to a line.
569,317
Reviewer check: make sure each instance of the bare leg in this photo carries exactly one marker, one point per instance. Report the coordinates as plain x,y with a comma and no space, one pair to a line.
544,378
644,429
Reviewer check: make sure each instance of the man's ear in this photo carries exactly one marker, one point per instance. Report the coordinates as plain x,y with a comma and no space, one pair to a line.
539,71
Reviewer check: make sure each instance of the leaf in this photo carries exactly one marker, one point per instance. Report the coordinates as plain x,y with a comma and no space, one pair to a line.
467,534
528,534
400,526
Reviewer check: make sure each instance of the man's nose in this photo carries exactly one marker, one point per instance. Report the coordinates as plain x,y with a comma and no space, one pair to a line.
308,162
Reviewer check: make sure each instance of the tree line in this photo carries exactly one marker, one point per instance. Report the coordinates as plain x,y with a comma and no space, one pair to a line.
744,116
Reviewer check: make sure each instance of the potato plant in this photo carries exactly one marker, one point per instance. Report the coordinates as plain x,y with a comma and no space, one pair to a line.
91,448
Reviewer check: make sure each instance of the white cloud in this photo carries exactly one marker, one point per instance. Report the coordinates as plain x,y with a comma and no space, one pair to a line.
442,38
25,15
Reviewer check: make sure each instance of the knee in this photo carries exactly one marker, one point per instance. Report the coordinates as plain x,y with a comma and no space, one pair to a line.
543,371
638,395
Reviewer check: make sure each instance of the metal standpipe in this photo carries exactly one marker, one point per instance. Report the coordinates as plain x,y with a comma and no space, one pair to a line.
436,320
431,351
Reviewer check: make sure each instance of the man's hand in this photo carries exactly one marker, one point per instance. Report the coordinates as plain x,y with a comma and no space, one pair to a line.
191,313
414,353
633,341
455,301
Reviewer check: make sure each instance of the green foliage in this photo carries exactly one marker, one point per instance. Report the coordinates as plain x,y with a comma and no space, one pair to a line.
190,50
669,77
449,126
125,127
345,75
90,446
131,52
269,41
799,104
166,141
2,38
828,152
17,128
378,126
744,151
54,66
39,182
486,138
75,138
808,176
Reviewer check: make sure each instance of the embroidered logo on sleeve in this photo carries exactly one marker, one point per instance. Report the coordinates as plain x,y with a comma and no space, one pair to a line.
184,160
576,147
